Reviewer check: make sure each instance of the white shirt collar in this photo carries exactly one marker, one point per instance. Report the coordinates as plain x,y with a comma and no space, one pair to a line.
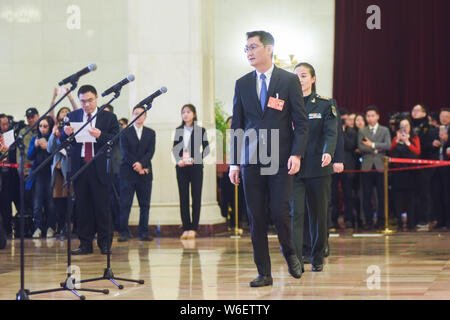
268,73
375,127
85,115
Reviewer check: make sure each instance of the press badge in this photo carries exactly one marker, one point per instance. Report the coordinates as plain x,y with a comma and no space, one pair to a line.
276,103
315,116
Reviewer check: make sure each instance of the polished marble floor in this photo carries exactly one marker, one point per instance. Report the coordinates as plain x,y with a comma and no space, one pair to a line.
400,266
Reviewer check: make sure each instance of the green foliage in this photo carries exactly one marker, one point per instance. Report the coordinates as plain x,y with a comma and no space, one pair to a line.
221,118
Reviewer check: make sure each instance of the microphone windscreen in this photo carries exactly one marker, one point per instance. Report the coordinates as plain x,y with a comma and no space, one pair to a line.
92,67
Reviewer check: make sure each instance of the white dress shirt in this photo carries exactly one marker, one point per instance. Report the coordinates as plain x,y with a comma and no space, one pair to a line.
138,131
268,75
187,131
92,124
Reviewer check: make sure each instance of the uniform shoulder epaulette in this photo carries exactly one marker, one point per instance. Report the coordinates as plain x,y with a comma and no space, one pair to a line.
323,98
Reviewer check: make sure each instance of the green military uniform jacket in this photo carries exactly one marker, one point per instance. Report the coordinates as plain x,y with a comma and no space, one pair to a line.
322,137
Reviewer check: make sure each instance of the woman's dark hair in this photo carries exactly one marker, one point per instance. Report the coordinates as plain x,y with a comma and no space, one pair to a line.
194,111
50,122
412,134
362,116
312,71
60,110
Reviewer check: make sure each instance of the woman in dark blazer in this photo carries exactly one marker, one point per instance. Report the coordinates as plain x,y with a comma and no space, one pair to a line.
190,146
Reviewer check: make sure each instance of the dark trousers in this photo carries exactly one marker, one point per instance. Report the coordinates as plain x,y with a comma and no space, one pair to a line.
60,205
267,198
404,198
190,176
440,188
424,201
43,209
5,201
143,189
370,180
92,209
313,195
346,182
227,191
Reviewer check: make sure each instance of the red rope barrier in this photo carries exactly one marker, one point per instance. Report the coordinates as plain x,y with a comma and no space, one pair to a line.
13,165
426,164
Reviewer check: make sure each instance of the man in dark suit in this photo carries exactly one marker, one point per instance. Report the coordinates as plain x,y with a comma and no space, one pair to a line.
137,144
269,123
374,141
92,186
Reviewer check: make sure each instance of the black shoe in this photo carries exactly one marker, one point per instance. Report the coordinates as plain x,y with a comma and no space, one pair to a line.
104,250
82,251
146,238
122,239
306,260
261,281
294,266
317,267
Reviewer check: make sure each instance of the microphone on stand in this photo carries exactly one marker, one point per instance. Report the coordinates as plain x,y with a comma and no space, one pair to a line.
119,85
150,98
76,76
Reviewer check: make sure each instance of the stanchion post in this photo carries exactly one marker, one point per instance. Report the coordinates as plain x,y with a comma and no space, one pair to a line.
237,231
386,196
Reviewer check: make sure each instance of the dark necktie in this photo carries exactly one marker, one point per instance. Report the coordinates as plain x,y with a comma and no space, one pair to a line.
263,95
88,146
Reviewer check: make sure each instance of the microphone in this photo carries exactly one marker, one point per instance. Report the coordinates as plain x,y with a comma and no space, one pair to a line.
119,85
76,76
150,98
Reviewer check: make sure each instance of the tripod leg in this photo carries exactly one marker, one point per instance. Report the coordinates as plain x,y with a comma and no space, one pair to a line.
130,280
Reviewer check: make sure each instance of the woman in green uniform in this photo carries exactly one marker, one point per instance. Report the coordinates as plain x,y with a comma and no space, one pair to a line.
313,182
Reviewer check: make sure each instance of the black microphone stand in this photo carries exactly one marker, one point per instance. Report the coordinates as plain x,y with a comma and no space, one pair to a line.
24,293
108,272
70,284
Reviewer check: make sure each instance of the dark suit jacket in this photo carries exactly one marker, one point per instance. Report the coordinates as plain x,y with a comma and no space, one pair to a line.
198,144
339,153
322,136
350,145
107,123
248,117
135,150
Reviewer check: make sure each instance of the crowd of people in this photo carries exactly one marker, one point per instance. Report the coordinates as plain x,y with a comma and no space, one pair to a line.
417,198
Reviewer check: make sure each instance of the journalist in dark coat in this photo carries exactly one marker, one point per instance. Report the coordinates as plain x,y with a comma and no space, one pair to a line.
313,182
137,144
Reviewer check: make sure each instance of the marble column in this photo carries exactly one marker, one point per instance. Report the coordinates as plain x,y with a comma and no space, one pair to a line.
170,44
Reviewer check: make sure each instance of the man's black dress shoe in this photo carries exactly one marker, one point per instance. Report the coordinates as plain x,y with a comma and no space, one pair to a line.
146,238
294,266
104,250
122,239
82,251
317,267
261,281
306,260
